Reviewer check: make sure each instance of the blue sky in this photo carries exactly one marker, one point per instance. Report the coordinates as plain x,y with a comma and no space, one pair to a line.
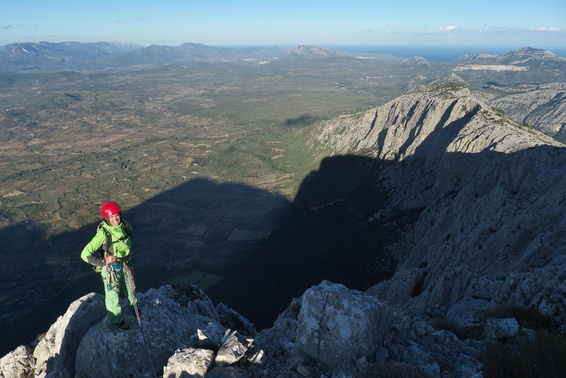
518,23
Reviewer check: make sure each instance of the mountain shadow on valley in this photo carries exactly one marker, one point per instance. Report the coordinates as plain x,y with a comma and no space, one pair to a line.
248,248
329,232
251,249
191,233
338,228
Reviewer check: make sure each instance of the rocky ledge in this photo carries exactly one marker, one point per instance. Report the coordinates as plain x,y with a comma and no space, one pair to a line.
330,331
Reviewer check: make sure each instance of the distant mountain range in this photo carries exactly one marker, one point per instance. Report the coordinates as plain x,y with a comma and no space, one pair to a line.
47,56
526,56
313,51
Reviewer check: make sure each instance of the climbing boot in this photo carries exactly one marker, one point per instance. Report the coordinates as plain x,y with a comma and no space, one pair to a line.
123,325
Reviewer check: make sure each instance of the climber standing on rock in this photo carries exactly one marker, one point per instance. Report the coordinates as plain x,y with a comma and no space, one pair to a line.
109,253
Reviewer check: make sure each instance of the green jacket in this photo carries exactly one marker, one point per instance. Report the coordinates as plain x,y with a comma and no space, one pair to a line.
121,236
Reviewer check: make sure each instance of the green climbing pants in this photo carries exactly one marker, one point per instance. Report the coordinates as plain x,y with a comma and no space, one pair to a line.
116,283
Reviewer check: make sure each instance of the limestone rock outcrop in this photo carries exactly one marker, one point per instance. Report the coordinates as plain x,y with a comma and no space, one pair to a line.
541,106
176,322
334,331
18,363
330,330
492,194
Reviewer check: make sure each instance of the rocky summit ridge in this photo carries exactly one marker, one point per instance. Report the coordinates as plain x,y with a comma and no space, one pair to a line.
524,57
490,194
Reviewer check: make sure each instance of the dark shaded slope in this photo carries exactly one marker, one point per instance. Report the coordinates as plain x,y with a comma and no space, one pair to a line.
179,231
327,233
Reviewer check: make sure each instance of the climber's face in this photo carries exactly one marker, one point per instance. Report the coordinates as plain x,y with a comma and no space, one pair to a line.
114,220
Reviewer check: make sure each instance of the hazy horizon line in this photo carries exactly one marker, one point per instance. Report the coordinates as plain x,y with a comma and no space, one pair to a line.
433,52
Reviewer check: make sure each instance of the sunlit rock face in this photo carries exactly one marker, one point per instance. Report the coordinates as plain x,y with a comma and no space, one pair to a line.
492,191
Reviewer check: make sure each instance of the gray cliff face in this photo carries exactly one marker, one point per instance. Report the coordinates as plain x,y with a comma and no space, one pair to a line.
542,107
444,115
493,194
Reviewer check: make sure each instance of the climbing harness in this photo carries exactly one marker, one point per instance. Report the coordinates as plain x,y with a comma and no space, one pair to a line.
112,271
137,311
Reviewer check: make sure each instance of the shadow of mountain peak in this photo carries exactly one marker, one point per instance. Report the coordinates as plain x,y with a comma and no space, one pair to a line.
199,225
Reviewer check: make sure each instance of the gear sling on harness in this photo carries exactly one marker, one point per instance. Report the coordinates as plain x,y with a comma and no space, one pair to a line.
112,271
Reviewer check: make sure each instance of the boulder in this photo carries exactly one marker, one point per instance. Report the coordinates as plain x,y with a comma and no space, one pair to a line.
55,353
188,363
233,348
336,324
18,363
167,325
339,331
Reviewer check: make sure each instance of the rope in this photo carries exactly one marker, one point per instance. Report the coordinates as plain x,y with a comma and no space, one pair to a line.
133,289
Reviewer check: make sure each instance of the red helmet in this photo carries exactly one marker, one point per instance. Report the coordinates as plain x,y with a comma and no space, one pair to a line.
109,208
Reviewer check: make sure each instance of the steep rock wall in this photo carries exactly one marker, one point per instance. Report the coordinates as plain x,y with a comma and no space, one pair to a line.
493,191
